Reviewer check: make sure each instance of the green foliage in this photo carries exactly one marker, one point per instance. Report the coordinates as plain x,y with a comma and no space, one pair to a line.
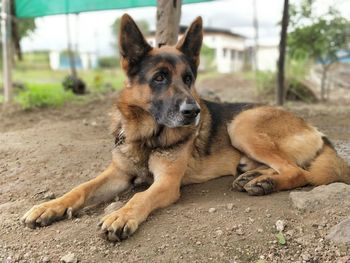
319,37
108,62
25,27
281,239
207,57
43,95
142,24
34,60
265,82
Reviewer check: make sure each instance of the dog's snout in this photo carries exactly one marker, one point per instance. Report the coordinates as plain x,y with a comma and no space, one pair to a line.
189,110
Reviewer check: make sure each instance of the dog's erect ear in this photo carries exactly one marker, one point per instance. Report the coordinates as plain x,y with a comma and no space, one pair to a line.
132,44
190,44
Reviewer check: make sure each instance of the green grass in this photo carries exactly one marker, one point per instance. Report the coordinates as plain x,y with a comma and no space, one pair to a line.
43,87
43,95
265,81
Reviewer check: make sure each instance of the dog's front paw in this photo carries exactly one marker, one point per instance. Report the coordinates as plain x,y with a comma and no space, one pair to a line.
119,225
261,186
45,213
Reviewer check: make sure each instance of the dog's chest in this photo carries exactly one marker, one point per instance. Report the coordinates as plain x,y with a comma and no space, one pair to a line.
133,158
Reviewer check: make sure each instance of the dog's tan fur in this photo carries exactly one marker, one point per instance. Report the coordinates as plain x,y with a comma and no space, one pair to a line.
275,149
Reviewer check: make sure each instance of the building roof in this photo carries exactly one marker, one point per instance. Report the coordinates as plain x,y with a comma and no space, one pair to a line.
213,30
208,30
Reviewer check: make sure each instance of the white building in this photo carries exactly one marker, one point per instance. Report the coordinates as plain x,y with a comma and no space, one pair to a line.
228,47
85,60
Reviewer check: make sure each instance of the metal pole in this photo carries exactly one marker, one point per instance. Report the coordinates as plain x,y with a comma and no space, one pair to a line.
6,49
256,37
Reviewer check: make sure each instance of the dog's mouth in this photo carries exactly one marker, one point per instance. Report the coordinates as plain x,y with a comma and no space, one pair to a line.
180,121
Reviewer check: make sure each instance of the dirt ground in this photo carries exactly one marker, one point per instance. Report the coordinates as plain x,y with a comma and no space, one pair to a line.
44,153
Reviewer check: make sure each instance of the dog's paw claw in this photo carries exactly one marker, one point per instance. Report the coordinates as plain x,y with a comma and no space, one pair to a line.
118,226
243,179
263,187
43,214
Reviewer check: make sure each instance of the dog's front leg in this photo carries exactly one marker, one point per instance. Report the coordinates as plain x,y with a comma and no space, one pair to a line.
168,171
105,186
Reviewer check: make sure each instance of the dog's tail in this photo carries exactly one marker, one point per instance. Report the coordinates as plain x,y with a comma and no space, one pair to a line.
328,166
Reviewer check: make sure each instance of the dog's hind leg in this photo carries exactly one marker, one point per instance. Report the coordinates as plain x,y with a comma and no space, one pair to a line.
102,188
262,148
328,167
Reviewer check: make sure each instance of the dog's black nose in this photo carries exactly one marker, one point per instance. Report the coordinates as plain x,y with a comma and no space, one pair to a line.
190,110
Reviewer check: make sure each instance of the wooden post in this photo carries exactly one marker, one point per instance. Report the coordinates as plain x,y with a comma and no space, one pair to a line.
6,49
70,49
281,61
168,19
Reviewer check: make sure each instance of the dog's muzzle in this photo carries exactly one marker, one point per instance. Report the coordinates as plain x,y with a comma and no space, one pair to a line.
190,113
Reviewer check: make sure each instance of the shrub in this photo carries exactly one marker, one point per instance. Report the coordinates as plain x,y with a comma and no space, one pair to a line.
108,62
265,82
43,95
74,84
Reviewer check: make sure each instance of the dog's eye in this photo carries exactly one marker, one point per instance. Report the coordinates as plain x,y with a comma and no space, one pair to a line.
188,80
160,78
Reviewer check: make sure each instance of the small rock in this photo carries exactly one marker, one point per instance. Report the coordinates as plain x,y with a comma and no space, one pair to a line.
306,256
248,209
93,248
69,258
198,243
49,195
260,230
212,210
290,233
344,259
46,259
280,225
230,206
219,232
94,123
341,232
239,232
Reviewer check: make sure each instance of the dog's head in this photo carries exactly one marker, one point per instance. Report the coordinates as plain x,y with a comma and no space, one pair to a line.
160,81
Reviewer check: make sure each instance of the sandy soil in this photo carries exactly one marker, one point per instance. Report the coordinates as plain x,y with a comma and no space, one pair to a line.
44,153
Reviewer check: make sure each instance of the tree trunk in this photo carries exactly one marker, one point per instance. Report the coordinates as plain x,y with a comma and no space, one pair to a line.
15,35
168,19
323,83
282,50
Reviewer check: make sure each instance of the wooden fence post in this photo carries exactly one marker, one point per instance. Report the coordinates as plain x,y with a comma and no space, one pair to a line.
168,19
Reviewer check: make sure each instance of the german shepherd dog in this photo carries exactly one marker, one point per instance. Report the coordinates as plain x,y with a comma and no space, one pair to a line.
166,132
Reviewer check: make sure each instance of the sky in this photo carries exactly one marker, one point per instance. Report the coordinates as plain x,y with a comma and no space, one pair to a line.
91,31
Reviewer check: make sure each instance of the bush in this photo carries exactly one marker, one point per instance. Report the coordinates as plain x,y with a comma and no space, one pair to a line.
265,82
108,62
43,95
75,84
